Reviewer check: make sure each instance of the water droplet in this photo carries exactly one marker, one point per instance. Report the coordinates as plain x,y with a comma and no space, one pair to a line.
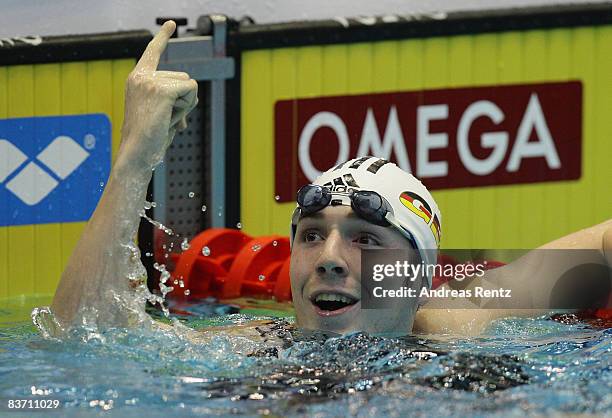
219,214
275,243
191,194
206,251
261,277
166,230
277,198
185,244
147,205
181,283
175,281
159,225
187,292
101,184
256,247
149,254
239,225
165,275
203,208
165,289
153,204
134,252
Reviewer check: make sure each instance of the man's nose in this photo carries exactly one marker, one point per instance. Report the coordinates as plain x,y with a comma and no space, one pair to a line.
331,263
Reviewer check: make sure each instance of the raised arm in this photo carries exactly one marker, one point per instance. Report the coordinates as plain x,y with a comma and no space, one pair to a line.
95,286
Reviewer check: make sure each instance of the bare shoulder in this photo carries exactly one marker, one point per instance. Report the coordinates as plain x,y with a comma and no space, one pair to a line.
464,322
253,329
268,331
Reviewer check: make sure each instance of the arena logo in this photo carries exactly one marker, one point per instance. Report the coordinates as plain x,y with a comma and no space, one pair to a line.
52,168
448,138
33,183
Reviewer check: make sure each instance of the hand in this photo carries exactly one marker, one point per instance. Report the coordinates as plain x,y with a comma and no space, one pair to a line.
156,105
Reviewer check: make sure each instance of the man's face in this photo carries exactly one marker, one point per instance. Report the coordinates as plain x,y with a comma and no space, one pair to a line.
326,274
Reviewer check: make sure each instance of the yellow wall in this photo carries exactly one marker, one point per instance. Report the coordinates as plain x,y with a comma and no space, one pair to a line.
515,216
32,257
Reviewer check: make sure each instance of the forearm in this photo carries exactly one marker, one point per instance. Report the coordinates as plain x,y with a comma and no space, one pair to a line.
558,268
588,238
97,268
532,279
541,277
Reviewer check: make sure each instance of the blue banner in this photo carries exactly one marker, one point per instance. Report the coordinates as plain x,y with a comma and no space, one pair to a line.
52,169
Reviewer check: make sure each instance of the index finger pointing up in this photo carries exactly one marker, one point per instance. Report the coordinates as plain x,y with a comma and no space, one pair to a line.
150,57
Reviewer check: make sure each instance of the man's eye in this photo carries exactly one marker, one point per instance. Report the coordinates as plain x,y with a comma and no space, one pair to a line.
367,240
310,236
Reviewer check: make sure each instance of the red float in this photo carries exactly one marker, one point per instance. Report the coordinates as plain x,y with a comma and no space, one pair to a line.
226,263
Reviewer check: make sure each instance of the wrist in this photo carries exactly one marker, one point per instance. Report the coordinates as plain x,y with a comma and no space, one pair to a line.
141,151
126,167
128,182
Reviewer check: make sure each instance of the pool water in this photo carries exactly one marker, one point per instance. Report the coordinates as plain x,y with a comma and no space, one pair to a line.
521,367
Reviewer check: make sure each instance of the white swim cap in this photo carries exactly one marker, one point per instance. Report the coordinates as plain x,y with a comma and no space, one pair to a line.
413,206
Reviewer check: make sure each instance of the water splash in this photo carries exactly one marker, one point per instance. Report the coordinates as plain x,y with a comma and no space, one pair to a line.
46,323
163,278
155,223
185,244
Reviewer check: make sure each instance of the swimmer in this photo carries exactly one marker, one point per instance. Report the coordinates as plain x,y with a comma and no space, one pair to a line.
330,227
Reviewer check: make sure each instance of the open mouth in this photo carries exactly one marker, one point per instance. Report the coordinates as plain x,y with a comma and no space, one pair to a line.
331,302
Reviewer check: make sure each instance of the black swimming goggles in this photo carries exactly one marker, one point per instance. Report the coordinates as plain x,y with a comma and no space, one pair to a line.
367,204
